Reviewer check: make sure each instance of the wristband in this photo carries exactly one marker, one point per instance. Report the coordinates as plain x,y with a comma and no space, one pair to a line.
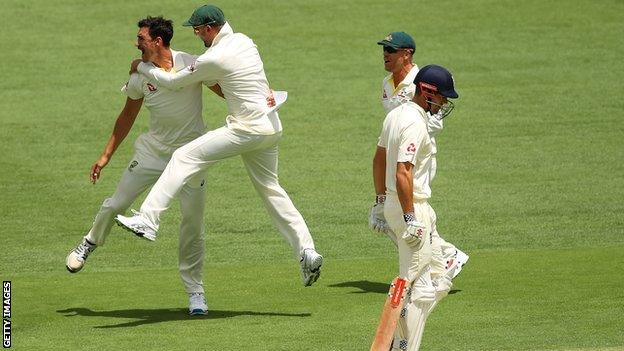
409,217
380,198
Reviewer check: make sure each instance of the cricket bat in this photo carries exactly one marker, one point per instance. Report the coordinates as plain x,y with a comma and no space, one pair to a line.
389,316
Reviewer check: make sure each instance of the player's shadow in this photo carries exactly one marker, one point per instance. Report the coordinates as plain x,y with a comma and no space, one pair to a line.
366,286
150,316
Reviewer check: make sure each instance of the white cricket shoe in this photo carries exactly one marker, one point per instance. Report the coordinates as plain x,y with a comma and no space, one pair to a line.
137,225
460,260
197,304
77,257
311,263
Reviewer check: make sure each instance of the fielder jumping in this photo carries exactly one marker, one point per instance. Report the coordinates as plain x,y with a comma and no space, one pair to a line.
402,167
398,88
175,119
252,131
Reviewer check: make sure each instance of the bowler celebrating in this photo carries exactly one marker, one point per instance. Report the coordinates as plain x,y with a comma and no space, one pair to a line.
252,131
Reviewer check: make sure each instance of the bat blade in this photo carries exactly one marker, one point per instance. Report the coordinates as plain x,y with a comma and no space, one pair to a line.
389,316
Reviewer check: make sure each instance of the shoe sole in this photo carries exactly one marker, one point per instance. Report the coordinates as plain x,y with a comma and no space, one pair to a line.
145,236
198,312
460,265
72,270
316,272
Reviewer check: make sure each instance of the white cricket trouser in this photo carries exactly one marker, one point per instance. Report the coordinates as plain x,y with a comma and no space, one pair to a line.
415,266
143,171
260,156
438,261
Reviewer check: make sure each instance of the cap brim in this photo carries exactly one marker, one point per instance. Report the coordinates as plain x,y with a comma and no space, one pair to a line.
387,43
187,23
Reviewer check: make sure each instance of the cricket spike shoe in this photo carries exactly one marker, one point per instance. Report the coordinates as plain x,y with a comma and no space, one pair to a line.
197,304
462,259
137,225
311,263
77,257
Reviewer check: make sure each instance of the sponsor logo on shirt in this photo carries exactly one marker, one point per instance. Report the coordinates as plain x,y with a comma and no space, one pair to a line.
151,87
411,148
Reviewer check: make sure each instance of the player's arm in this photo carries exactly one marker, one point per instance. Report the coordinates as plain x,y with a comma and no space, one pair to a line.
412,140
405,186
376,220
379,170
201,71
124,123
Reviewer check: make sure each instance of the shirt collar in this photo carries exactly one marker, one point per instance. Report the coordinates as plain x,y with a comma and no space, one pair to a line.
225,31
178,63
409,78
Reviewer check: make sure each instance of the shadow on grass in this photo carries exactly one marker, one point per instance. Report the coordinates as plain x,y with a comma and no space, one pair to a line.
366,286
147,316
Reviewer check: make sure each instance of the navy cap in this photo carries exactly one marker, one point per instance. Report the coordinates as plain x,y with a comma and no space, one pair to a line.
439,77
398,40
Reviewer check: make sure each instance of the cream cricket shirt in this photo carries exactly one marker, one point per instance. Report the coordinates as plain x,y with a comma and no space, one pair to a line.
175,116
234,63
404,136
392,97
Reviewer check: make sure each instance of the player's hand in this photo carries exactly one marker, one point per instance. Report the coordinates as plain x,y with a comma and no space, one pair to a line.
271,100
134,66
376,220
96,169
414,233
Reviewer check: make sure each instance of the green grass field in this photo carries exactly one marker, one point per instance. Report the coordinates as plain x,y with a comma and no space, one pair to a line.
530,178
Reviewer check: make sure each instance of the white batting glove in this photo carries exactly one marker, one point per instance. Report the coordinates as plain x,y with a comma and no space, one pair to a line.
415,231
376,220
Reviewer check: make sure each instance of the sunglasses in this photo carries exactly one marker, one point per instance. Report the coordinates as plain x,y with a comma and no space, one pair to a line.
198,28
389,49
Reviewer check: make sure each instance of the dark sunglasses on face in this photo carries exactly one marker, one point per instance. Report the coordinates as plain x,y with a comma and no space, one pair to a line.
389,49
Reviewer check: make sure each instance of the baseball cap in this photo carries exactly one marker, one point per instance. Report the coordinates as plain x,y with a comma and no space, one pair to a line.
207,14
439,77
398,40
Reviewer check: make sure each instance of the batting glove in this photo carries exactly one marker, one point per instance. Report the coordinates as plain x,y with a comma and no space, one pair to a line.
413,234
376,220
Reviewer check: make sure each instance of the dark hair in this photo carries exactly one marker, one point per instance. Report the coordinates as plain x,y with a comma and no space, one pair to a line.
158,27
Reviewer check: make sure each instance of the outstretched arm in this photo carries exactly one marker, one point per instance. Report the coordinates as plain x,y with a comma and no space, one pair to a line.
124,123
200,71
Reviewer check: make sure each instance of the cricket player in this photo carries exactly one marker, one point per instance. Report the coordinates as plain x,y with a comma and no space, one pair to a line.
175,119
398,88
252,131
401,170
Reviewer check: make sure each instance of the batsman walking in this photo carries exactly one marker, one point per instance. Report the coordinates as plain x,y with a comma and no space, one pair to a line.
252,131
398,88
401,170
